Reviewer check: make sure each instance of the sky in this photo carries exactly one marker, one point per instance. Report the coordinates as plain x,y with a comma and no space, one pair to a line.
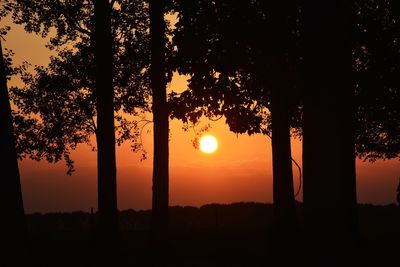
240,169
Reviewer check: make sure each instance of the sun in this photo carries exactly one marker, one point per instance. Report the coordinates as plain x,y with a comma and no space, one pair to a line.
208,144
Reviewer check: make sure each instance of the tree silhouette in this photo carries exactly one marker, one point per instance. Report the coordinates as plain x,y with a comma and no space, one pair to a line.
62,93
65,96
13,223
245,65
106,162
161,124
241,57
283,98
328,133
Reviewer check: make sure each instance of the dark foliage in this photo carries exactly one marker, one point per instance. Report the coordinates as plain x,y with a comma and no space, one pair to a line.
230,51
57,104
377,78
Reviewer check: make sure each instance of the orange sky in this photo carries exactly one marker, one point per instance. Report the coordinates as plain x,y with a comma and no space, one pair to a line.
240,170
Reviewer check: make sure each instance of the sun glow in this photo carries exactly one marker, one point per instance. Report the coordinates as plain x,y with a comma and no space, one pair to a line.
208,144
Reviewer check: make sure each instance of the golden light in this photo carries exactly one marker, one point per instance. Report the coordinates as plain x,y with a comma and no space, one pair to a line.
208,144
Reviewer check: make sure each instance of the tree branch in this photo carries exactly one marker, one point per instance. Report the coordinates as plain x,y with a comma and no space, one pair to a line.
298,167
93,124
300,177
76,26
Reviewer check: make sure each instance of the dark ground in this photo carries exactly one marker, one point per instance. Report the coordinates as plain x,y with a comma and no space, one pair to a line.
213,235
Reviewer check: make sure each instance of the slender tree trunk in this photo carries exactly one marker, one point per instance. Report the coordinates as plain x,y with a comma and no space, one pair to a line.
13,225
285,219
285,223
106,162
330,200
161,124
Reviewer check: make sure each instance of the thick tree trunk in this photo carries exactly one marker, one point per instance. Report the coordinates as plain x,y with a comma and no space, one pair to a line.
106,162
330,200
13,225
161,124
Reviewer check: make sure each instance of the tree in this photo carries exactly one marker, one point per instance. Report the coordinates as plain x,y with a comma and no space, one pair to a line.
58,101
368,114
241,57
161,124
282,101
106,162
14,228
92,75
64,96
328,133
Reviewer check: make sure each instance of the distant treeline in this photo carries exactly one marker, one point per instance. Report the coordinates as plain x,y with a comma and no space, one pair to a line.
251,216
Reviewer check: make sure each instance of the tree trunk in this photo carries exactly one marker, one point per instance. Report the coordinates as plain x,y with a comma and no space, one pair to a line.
330,200
161,124
13,219
106,162
285,223
285,219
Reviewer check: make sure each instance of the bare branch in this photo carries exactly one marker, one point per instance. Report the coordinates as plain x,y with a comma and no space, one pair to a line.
300,177
299,169
217,119
94,124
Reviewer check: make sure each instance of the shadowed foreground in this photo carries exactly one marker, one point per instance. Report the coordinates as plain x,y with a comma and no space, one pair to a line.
214,235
